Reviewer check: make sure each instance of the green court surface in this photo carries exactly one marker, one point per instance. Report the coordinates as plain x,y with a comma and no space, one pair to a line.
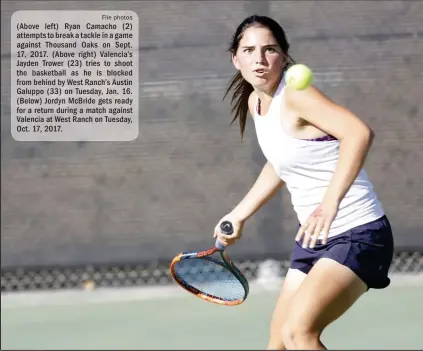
168,318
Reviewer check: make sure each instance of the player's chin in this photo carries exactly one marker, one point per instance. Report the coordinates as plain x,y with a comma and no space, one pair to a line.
263,80
258,82
263,84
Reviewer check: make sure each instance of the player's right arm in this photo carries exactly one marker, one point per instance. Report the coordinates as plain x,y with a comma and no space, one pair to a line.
265,187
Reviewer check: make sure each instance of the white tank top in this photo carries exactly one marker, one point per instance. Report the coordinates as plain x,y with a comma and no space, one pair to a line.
307,166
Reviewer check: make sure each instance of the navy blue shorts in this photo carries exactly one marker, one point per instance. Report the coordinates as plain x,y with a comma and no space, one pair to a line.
367,250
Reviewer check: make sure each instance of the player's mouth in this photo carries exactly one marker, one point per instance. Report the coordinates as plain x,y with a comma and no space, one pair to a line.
260,72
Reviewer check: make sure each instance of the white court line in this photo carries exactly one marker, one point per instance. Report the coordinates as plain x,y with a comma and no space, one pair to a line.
76,297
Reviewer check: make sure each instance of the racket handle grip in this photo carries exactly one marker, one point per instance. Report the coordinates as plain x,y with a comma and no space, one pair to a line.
227,228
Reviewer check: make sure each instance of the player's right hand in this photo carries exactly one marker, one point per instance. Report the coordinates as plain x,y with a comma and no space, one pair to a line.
225,239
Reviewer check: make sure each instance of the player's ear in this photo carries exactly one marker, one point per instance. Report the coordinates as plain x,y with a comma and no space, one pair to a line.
235,62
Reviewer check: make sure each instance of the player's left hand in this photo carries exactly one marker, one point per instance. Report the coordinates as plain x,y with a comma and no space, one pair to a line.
318,223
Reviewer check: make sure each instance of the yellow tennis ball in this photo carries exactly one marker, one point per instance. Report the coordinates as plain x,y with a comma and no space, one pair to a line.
299,77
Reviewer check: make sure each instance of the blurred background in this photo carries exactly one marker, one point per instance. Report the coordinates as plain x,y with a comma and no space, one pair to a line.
88,229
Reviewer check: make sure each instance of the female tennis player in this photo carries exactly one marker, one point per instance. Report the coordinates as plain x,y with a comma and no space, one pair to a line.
344,245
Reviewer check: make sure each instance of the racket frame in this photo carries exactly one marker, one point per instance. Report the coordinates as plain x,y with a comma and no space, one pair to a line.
227,263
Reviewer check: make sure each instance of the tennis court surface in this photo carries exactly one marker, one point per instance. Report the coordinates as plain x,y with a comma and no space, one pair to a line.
169,318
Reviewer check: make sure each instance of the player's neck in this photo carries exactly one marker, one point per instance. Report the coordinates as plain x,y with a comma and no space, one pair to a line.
266,94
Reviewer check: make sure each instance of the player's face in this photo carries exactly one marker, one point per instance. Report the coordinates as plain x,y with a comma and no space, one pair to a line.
259,58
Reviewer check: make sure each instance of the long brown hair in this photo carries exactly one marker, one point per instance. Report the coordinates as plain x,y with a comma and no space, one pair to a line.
240,87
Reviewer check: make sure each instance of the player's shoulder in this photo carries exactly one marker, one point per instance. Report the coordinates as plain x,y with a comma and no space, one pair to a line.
312,94
252,100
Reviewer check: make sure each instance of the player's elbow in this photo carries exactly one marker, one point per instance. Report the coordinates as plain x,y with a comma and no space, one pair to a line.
360,136
372,134
363,134
368,135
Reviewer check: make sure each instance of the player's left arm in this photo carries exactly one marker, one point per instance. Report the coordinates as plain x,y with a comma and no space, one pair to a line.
354,135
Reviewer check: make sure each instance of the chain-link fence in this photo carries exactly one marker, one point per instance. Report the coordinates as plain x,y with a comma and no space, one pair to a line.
90,277
111,208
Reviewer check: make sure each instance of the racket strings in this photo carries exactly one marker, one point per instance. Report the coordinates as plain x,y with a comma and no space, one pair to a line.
210,278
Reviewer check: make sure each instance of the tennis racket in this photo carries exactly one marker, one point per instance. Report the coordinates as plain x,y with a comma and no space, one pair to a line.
214,279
